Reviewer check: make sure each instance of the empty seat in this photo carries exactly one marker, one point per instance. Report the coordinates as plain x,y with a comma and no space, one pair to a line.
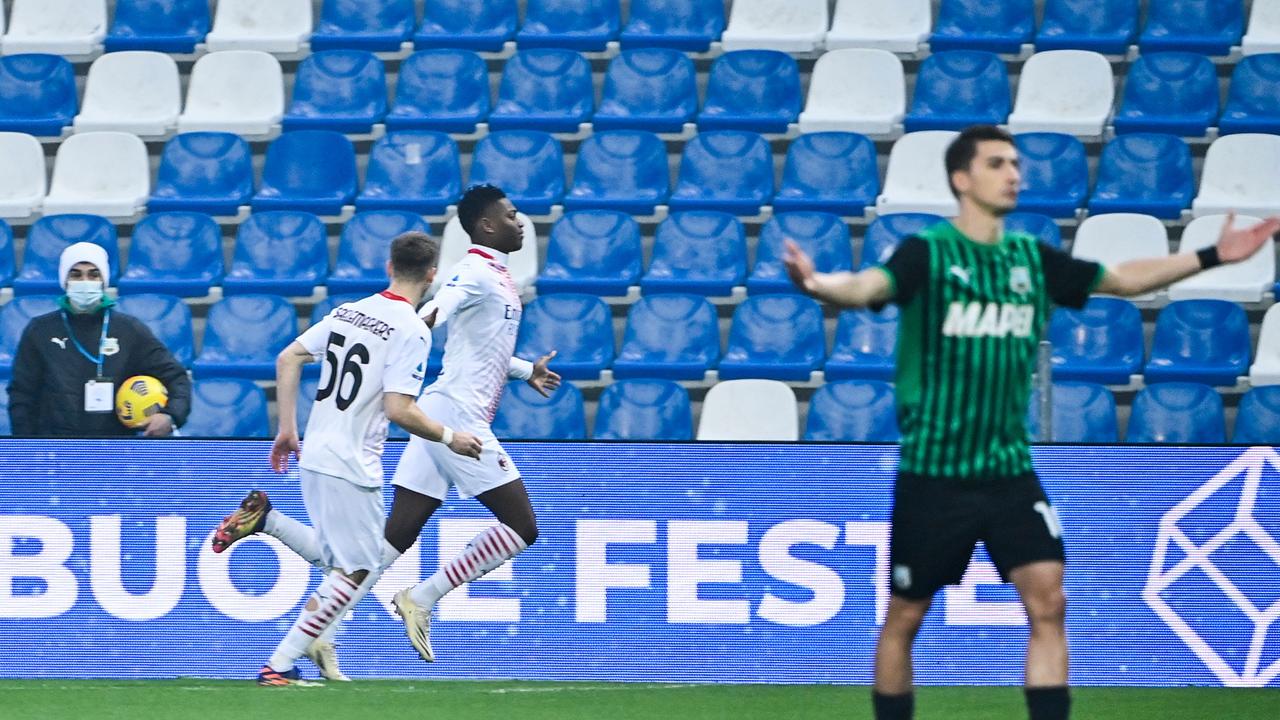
779,337
522,264
169,26
445,90
1169,92
342,90
1001,27
1144,173
829,171
1101,342
412,170
1082,413
916,180
57,27
15,315
898,27
8,262
726,170
311,170
209,172
1208,27
1117,238
855,90
365,248
1266,363
1177,412
762,410
690,25
887,232
865,345
578,327
852,411
1041,227
823,236
238,91
48,237
752,90
281,252
174,253
586,25
1103,26
1200,341
22,184
243,335
620,170
5,429
544,89
651,89
484,25
1258,417
644,410
37,94
1253,100
1241,173
669,336
698,251
957,89
1065,91
592,251
1245,281
307,389
362,25
1055,174
435,360
227,408
279,26
1263,35
168,318
104,173
524,414
527,164
796,26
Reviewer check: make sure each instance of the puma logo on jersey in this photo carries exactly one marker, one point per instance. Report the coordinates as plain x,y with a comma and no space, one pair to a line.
60,342
961,274
977,319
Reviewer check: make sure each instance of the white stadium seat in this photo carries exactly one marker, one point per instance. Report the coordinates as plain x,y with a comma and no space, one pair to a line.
1241,173
237,91
1119,237
137,92
1266,359
856,90
57,27
22,175
894,25
278,26
916,180
750,410
1065,91
523,263
1239,282
785,25
101,173
1263,35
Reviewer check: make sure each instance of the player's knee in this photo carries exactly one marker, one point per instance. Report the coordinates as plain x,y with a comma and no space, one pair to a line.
1048,608
528,532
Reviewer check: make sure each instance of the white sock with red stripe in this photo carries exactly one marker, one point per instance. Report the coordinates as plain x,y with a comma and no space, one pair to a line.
485,552
328,603
389,555
296,536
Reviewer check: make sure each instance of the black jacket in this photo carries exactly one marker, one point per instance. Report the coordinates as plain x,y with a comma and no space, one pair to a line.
46,393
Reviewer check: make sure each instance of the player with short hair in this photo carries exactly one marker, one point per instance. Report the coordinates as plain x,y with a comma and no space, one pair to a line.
974,301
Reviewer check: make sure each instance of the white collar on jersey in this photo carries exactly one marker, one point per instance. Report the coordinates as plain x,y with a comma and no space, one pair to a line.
488,253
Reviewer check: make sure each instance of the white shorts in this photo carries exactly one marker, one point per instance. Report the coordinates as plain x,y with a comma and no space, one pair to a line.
348,520
430,468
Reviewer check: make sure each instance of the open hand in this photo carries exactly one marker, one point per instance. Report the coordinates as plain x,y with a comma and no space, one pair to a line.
1236,244
799,266
544,380
286,444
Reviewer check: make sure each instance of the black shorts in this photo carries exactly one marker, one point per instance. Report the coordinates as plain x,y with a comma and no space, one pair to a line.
938,521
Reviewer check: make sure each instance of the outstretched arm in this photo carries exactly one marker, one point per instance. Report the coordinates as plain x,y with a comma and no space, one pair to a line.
847,289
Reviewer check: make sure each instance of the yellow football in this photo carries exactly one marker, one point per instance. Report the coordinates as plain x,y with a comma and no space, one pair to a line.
138,398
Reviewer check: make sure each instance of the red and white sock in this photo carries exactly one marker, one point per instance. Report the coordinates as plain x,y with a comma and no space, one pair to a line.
328,603
485,552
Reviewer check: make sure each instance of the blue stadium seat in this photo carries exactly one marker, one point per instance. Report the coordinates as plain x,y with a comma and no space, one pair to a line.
362,25
445,90
959,88
309,170
227,407
699,251
886,232
1145,173
578,327
1041,227
8,262
1055,174
544,89
208,172
1169,92
999,27
342,90
592,251
483,25
1258,417
1082,413
1100,343
168,26
852,411
651,89
586,25
243,335
675,337
689,25
435,360
46,240
620,170
1177,412
283,252
727,170
306,399
415,170
527,164
169,319
1208,27
15,315
326,306
831,172
865,345
644,410
174,253
824,236
524,414
775,337
5,428
1103,26
1203,341
1253,100
752,90
364,249
37,94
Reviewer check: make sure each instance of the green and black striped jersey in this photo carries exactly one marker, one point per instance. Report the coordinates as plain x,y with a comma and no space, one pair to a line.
971,318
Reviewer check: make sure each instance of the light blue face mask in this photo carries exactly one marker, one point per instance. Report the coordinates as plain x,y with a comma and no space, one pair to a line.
85,294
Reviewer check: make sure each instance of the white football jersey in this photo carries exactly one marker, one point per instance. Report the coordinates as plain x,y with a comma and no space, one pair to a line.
367,348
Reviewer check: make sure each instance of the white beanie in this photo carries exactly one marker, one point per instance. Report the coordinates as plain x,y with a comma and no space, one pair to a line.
84,252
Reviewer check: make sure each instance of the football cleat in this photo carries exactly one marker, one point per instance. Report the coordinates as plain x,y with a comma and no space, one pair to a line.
245,521
417,623
324,654
270,678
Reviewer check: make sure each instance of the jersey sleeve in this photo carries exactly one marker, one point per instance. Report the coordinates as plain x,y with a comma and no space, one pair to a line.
406,366
316,337
463,289
1069,280
908,269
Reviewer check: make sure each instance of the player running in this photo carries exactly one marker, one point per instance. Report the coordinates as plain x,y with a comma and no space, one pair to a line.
974,301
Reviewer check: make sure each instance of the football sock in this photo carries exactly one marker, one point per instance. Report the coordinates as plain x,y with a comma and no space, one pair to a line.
1048,703
893,707
296,536
389,555
329,601
485,552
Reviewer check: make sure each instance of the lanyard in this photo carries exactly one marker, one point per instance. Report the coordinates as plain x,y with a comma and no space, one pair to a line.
106,322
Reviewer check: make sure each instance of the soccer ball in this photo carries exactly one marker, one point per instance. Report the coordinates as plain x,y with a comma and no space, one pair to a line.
138,398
